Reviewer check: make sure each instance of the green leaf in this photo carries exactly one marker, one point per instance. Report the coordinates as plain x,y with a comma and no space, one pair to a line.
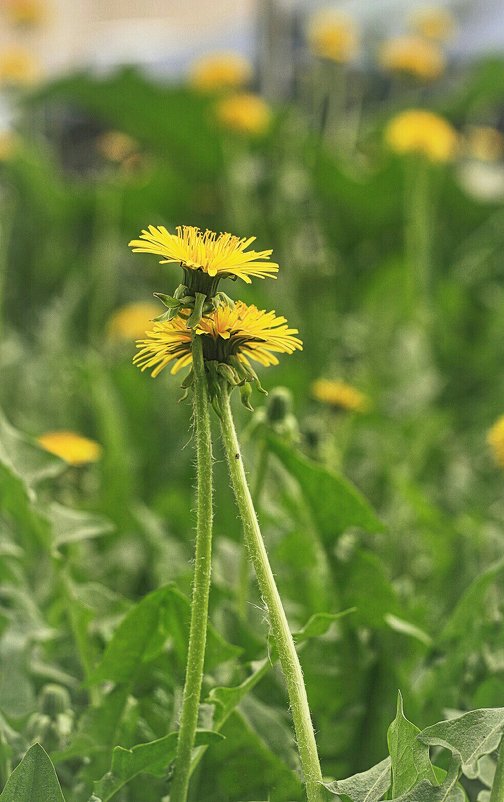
71,526
24,458
226,699
406,628
464,617
335,503
410,757
152,758
145,623
368,786
448,791
319,624
33,780
469,737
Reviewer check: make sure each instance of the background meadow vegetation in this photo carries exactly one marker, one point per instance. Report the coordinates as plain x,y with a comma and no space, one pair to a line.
389,510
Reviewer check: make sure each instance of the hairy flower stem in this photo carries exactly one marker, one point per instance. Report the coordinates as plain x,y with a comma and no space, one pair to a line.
257,486
282,637
497,793
201,581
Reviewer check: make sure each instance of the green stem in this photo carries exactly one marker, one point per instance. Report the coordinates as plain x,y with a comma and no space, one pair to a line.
278,621
201,581
244,571
419,238
497,793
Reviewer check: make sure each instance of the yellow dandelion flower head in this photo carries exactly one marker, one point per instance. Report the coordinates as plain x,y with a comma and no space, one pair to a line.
243,332
220,71
484,143
71,447
413,56
29,13
495,439
218,255
244,113
333,36
131,321
433,23
116,146
17,66
340,394
422,132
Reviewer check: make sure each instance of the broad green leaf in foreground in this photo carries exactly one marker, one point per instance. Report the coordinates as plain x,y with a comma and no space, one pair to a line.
469,737
33,780
335,503
153,758
367,786
448,791
410,757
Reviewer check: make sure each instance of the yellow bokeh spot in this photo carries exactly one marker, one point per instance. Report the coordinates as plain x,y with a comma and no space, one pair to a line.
220,71
71,447
433,23
339,394
412,55
18,67
116,146
495,439
244,114
333,36
29,13
132,321
484,143
422,132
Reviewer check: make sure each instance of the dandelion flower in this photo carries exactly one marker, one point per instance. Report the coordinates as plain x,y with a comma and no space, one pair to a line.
240,333
217,255
495,439
339,394
131,321
484,143
414,56
71,447
333,36
220,71
244,113
420,131
433,23
17,67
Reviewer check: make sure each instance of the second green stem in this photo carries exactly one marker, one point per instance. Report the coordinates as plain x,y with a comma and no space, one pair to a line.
281,633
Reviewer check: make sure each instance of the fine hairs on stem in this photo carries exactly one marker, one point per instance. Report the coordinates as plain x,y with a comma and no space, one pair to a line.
201,581
282,637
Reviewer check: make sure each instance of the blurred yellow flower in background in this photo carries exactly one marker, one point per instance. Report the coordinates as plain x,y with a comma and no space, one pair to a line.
244,113
413,56
333,36
484,143
495,439
433,23
8,145
131,321
17,66
116,146
339,394
29,13
422,132
71,447
220,71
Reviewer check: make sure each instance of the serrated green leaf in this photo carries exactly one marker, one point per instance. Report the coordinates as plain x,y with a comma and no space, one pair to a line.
424,791
409,757
33,780
469,736
153,757
335,504
367,786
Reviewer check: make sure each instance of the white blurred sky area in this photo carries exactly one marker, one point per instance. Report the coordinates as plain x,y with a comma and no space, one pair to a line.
166,35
